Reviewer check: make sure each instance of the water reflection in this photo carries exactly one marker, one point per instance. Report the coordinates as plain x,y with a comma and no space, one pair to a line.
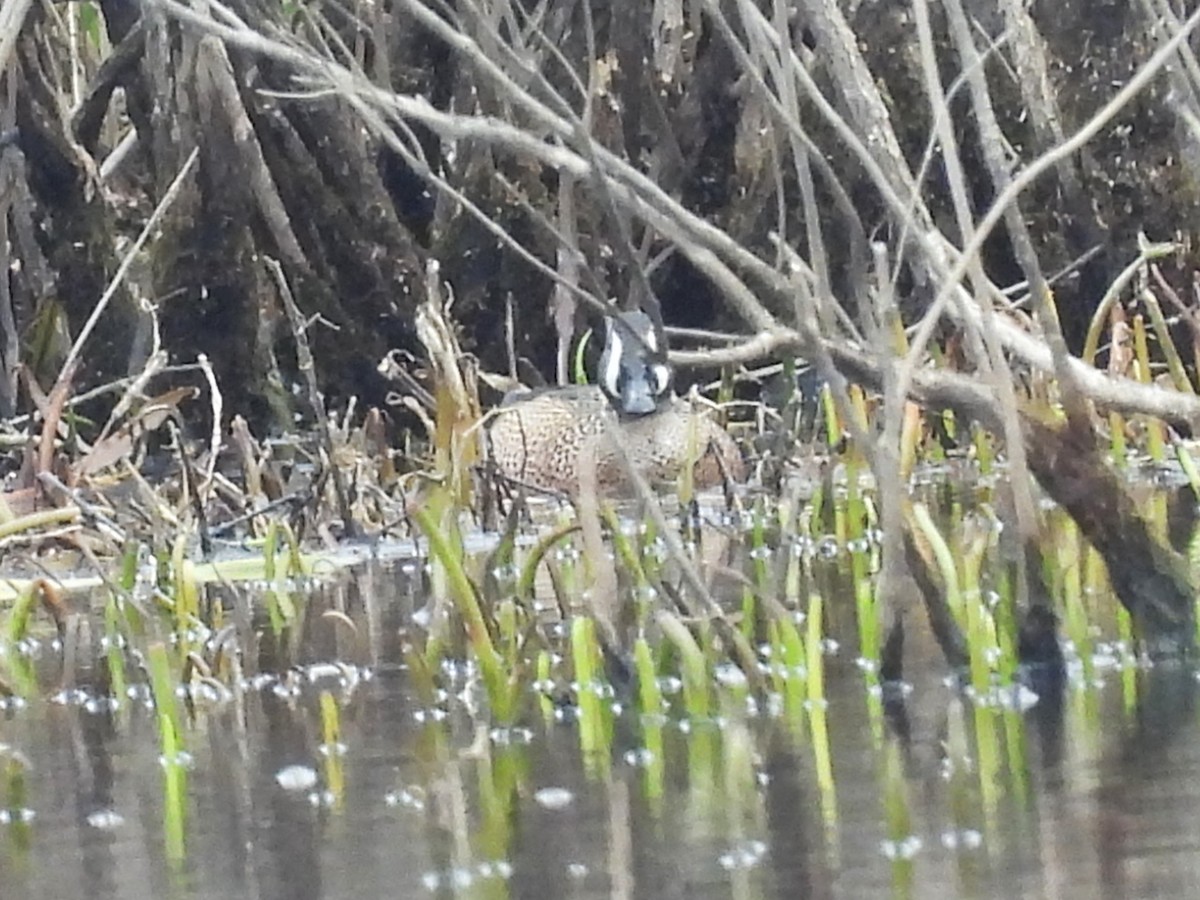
1091,792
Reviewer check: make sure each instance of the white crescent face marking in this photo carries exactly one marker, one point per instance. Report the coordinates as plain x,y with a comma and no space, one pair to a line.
662,378
611,375
651,338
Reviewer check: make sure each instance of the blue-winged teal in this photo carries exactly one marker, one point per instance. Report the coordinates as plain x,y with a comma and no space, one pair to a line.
542,438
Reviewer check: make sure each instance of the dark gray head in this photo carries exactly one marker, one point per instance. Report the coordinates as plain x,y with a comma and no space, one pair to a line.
633,368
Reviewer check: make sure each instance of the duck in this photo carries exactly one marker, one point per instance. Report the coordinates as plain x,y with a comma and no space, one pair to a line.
542,439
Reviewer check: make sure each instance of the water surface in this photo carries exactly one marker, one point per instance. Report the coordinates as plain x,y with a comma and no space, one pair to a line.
1093,792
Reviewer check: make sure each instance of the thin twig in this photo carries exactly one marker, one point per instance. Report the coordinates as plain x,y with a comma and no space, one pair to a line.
123,269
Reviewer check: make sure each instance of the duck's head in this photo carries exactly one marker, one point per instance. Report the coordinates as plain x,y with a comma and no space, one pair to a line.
633,368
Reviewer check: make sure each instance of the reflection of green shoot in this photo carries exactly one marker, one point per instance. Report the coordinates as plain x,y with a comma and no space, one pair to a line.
545,678
988,757
814,652
1015,745
114,656
899,820
331,736
162,685
15,796
650,700
1069,576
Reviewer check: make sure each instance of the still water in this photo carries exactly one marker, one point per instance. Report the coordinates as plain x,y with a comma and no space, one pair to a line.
1091,792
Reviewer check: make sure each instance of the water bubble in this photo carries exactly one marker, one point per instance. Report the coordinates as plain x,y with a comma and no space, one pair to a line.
424,716
502,868
743,856
554,798
99,705
285,690
181,759
775,705
566,555
1017,697
408,798
70,697
641,757
296,777
966,839
322,670
322,799
505,737
647,593
729,675
507,572
670,684
904,849
105,819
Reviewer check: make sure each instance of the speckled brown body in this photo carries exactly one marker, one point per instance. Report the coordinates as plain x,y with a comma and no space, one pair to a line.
541,440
